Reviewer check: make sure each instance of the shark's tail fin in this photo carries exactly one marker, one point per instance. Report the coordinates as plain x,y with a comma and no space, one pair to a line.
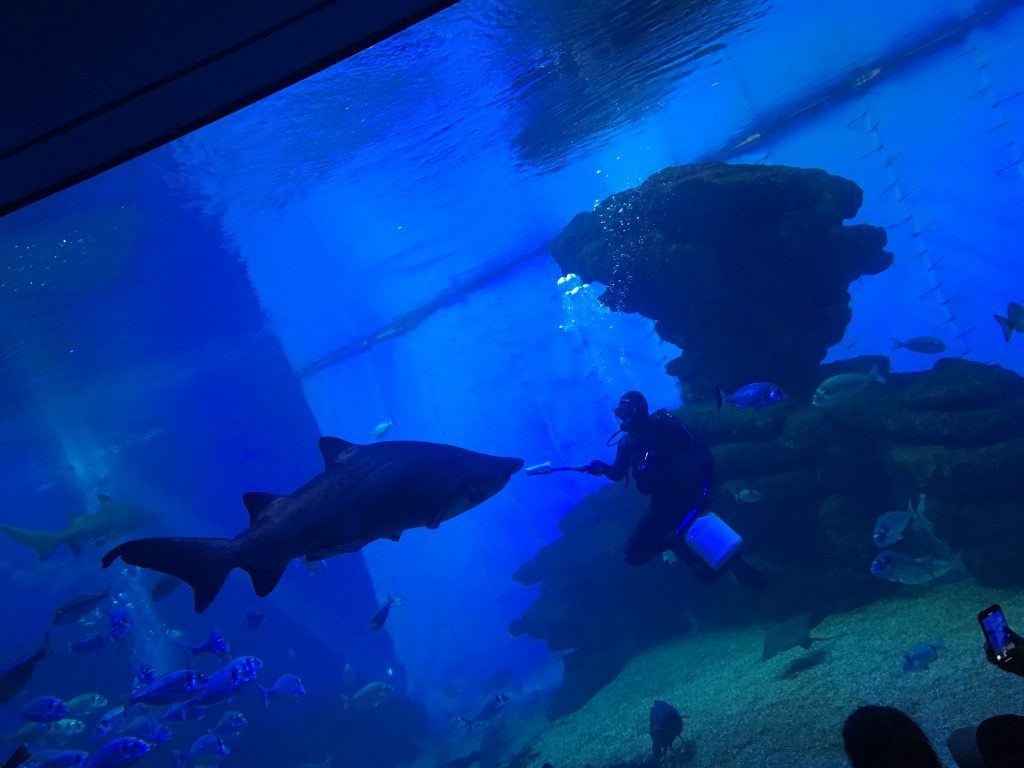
1006,325
43,542
203,563
264,574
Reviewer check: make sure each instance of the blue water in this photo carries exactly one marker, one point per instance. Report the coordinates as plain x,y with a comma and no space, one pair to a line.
184,327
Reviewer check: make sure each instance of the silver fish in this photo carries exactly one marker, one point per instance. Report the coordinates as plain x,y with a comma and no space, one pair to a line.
924,345
844,386
904,569
892,527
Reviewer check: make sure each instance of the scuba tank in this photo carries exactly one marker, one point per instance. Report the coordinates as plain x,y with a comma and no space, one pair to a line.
712,540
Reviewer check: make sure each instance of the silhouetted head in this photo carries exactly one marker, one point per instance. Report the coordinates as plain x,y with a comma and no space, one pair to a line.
884,737
1001,741
631,411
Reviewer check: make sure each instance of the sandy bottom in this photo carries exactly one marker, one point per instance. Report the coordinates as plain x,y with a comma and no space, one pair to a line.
741,713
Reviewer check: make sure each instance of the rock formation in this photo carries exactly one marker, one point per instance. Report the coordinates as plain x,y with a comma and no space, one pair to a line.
744,267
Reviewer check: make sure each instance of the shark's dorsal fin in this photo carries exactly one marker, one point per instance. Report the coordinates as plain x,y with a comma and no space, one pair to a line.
104,499
257,502
332,447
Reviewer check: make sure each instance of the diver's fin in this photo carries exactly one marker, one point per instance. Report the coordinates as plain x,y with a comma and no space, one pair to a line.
43,542
1006,325
203,563
265,575
331,449
720,396
256,502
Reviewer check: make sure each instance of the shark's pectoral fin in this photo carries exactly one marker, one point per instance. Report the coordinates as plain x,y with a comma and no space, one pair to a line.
453,504
265,575
333,448
257,502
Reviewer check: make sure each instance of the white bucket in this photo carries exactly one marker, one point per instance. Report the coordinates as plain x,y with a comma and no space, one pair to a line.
712,540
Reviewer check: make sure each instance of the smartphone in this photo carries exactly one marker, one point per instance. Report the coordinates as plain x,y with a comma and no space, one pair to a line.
997,633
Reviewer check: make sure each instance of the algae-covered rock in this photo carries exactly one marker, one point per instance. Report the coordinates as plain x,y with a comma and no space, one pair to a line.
824,475
745,267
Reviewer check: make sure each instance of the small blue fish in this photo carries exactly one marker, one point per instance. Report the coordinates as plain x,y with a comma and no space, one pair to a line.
924,345
1014,320
287,688
216,644
494,706
227,681
381,616
120,622
91,643
172,688
253,620
77,608
756,396
45,709
206,745
921,655
113,720
230,724
119,753
148,729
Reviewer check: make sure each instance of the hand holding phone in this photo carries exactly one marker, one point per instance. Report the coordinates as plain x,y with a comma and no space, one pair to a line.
1003,646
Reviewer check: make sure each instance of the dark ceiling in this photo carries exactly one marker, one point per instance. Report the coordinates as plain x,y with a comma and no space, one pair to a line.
87,86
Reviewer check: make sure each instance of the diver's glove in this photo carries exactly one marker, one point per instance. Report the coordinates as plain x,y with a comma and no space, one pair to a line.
596,468
1015,663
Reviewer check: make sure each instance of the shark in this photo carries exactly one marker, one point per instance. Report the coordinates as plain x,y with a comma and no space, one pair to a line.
112,520
365,493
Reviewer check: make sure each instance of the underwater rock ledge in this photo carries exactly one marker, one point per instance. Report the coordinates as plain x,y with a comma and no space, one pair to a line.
744,267
955,433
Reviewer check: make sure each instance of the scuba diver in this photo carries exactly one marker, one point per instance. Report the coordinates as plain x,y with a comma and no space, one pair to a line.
676,470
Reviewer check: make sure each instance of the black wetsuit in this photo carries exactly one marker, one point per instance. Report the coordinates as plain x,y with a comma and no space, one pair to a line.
676,470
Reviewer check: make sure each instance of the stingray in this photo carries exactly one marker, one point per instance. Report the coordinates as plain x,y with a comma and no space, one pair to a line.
788,634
